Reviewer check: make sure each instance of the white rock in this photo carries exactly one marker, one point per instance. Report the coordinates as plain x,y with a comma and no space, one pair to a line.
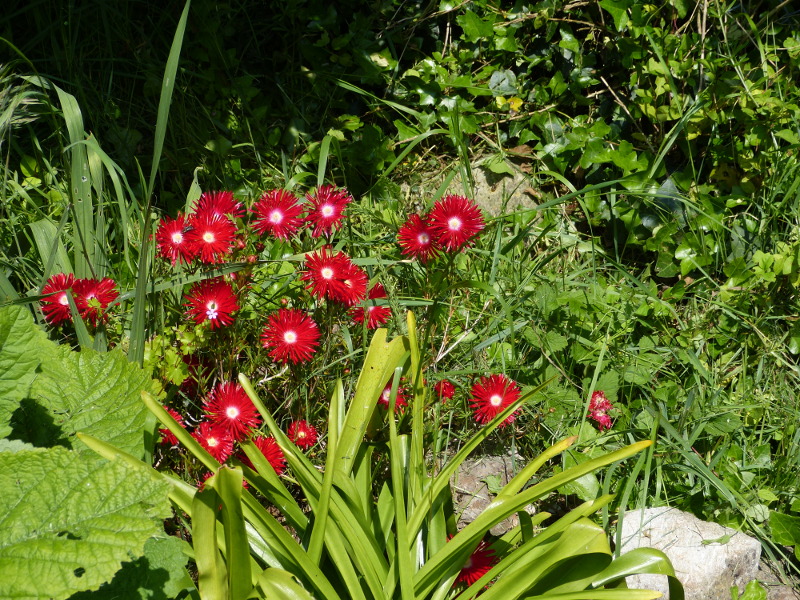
708,558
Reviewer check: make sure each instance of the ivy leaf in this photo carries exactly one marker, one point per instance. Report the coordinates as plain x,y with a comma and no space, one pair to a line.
618,9
474,27
68,523
503,83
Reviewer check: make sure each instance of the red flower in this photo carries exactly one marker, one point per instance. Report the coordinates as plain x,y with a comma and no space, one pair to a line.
272,452
167,437
416,239
211,236
218,204
278,213
477,565
444,389
92,297
598,406
355,286
215,439
229,406
327,208
386,396
171,240
211,300
455,221
292,335
56,305
303,434
491,396
327,273
375,315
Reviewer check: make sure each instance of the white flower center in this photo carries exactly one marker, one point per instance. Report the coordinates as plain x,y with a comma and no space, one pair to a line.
177,237
327,210
424,239
62,300
326,272
209,237
276,217
454,223
290,337
212,442
496,400
232,412
212,309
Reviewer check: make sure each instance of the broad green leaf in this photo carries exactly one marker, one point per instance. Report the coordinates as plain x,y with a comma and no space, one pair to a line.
23,346
785,528
95,393
159,574
67,523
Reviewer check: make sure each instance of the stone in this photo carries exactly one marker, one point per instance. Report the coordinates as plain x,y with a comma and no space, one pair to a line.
708,558
776,588
471,493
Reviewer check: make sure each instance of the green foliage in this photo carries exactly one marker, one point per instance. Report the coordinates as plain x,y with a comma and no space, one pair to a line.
370,537
49,392
69,521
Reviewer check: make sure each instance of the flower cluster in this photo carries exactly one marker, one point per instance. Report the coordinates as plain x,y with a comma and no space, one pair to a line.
453,224
333,276
92,297
230,417
207,234
599,405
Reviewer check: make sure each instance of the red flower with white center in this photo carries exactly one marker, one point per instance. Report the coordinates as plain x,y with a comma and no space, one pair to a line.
455,221
599,405
491,396
327,204
214,439
171,240
55,306
218,204
477,565
374,315
326,273
303,434
167,437
444,389
272,452
211,300
355,286
386,397
212,237
92,297
278,214
228,405
416,239
292,335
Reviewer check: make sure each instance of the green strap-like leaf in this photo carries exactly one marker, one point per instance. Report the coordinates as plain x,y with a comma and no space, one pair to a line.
642,561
